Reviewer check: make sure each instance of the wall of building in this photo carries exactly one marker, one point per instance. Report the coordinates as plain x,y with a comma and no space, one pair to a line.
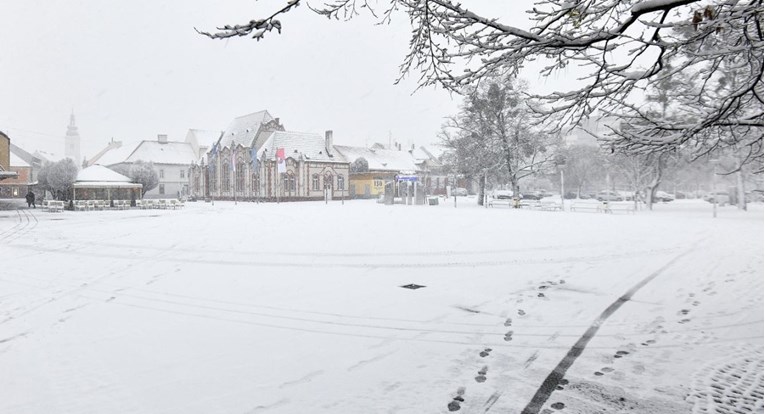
16,187
369,184
173,181
5,152
266,184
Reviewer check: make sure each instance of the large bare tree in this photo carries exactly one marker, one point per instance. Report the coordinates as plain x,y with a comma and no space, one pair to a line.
623,47
493,134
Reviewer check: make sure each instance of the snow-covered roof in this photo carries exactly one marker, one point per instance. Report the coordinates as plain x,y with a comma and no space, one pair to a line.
171,152
103,184
201,140
310,146
381,159
16,161
202,137
99,173
48,156
116,155
243,130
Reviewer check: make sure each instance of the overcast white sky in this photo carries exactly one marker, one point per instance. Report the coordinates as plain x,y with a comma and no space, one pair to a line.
135,69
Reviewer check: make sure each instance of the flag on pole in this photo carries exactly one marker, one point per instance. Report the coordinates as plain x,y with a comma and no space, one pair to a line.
281,163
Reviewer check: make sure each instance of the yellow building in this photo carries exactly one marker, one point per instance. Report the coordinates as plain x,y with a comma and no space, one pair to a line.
371,168
5,158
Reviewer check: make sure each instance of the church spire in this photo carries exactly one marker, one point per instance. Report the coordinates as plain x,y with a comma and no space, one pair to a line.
72,140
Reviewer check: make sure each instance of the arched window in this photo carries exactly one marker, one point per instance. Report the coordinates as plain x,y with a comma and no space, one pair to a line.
226,178
255,184
315,182
328,181
290,186
341,182
240,177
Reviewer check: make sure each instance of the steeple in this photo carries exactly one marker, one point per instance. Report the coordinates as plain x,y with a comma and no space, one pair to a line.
72,141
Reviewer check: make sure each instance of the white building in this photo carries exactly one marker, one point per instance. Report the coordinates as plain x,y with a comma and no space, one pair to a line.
171,161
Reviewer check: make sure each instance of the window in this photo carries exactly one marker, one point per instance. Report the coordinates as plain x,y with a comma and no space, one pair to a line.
289,183
161,173
183,173
341,182
240,177
315,182
256,184
226,178
328,181
162,188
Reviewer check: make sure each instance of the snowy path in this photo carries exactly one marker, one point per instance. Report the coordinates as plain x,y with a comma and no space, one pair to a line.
297,308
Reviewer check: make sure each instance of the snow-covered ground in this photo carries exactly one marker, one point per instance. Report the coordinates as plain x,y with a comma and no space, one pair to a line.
297,308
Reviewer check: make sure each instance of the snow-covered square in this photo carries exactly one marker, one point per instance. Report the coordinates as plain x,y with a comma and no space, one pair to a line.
298,308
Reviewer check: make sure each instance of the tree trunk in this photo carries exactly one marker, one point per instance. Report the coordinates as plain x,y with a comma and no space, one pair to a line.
481,189
740,192
516,191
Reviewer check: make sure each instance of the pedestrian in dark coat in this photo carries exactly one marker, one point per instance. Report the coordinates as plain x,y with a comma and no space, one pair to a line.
31,199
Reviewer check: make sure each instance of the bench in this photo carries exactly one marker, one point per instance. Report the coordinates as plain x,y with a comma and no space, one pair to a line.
53,206
550,206
596,207
628,208
500,202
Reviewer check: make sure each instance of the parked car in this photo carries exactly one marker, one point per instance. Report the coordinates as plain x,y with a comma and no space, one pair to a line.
502,194
627,195
754,196
722,197
569,195
607,195
663,197
532,195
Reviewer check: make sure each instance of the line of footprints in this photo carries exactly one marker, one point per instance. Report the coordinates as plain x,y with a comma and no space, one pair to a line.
459,398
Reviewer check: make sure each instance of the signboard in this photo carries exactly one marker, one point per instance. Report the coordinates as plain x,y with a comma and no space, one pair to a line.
406,178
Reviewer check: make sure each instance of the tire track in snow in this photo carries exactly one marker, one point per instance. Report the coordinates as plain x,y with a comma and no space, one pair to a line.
366,265
553,379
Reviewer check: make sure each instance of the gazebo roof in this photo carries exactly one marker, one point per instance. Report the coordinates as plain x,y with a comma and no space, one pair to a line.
101,174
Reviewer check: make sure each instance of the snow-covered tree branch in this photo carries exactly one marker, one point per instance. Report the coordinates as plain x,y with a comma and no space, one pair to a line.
625,49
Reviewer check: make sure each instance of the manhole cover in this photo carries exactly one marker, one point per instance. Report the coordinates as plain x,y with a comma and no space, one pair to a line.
412,286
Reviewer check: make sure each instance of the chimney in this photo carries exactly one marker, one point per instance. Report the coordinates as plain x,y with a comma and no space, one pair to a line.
162,138
328,140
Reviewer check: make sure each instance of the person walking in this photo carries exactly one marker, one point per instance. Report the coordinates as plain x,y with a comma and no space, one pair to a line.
31,199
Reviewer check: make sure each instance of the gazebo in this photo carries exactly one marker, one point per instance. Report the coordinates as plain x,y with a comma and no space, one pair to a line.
100,183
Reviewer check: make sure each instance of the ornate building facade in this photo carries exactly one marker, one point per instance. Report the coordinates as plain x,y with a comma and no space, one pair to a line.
256,159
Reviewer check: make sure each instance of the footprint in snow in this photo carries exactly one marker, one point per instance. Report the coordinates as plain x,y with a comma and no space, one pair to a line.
509,322
485,353
482,374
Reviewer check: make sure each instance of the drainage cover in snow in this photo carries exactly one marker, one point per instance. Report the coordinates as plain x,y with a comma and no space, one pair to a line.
412,286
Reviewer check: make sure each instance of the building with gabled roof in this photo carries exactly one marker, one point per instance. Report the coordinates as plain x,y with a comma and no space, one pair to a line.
242,163
170,159
372,167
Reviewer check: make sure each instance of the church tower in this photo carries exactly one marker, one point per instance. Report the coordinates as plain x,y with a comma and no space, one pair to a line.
72,142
